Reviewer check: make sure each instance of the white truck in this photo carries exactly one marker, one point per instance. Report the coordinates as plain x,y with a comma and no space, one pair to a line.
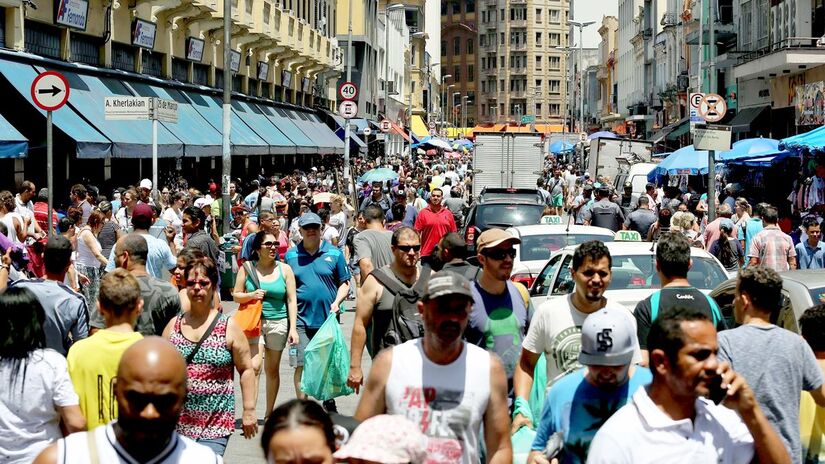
507,160
606,154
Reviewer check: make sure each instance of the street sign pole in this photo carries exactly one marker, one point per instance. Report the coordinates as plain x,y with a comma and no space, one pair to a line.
226,124
50,170
711,185
155,154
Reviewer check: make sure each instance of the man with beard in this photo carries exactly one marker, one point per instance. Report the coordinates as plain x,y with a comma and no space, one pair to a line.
678,419
556,328
443,384
150,389
582,401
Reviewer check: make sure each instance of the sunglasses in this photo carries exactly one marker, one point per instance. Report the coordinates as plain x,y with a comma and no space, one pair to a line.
270,244
201,283
407,248
311,227
499,254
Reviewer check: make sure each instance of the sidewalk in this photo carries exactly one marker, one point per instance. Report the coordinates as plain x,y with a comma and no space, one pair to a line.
240,450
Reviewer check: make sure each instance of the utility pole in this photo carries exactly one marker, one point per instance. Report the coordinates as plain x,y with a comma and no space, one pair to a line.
347,121
713,86
226,154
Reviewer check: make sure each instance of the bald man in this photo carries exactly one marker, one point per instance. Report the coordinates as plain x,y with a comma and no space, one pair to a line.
150,389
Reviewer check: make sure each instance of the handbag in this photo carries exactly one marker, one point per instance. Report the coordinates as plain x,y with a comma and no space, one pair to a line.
248,316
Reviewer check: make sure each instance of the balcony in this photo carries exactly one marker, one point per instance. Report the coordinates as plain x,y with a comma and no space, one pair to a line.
490,72
602,73
518,94
784,57
725,34
669,20
493,3
520,46
518,24
521,71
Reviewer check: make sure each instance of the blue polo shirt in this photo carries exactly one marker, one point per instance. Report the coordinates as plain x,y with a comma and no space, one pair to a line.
317,278
808,257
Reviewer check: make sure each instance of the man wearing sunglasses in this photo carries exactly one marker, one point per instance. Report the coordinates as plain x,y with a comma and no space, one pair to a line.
501,310
444,385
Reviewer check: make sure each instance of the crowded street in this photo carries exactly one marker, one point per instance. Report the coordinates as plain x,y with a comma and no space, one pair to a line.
420,231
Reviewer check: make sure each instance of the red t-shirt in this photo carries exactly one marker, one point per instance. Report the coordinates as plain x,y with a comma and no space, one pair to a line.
41,215
433,226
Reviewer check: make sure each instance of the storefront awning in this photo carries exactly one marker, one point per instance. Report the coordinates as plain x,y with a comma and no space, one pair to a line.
198,136
278,143
763,162
419,128
12,142
278,116
243,139
310,124
660,136
89,142
680,130
743,119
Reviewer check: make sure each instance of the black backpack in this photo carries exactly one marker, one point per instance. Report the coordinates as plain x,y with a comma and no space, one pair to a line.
405,322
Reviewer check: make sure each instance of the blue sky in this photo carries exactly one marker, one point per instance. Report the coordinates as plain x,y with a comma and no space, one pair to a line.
593,10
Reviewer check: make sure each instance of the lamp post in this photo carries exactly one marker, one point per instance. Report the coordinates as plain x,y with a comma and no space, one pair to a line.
446,116
389,9
465,103
441,93
581,25
455,115
347,182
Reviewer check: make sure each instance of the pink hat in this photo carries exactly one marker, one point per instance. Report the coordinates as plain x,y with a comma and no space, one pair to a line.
386,439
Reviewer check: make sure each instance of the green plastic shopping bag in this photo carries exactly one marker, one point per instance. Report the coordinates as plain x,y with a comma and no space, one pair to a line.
326,363
522,443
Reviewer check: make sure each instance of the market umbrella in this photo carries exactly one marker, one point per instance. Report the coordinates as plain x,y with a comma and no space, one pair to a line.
602,135
560,146
464,142
813,140
750,148
437,143
323,197
686,160
378,175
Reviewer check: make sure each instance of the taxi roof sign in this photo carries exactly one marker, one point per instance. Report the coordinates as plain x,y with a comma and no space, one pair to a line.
555,220
627,236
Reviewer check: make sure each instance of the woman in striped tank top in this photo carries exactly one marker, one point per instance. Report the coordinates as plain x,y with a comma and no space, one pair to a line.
208,415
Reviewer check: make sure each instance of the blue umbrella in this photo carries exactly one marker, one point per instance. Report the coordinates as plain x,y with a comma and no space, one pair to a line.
813,140
560,146
602,135
464,142
686,160
378,175
750,148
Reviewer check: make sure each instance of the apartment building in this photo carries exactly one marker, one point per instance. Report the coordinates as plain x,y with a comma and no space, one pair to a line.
459,62
521,65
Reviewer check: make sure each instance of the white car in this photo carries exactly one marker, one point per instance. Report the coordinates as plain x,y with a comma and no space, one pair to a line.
539,241
634,274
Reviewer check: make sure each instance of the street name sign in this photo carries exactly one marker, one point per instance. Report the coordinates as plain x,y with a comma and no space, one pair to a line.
50,90
711,137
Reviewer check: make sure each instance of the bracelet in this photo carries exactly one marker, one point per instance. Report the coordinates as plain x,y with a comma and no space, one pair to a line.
4,266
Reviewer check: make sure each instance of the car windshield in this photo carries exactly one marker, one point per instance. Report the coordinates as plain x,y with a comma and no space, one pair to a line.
507,215
818,295
639,272
540,247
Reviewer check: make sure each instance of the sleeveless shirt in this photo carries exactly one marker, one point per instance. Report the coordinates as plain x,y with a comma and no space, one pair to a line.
448,401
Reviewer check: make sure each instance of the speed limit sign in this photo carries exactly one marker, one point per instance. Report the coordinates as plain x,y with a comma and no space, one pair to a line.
348,91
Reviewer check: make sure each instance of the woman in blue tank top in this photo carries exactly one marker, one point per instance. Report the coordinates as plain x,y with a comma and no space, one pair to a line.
275,287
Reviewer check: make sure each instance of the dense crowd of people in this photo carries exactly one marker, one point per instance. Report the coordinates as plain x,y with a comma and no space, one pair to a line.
117,343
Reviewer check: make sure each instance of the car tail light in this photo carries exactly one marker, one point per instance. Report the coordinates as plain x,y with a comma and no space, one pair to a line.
525,279
470,235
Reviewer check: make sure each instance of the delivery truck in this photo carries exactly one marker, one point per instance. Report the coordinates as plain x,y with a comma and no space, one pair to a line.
507,160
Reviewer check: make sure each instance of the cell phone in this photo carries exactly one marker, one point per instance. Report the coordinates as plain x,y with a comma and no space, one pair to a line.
717,394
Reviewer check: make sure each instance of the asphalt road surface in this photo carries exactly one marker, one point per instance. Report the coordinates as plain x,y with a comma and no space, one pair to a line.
241,450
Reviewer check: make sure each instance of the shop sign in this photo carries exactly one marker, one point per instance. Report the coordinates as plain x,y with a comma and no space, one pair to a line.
810,104
194,49
143,33
72,13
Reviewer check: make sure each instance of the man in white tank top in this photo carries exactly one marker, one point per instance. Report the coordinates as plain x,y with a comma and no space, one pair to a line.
150,389
447,387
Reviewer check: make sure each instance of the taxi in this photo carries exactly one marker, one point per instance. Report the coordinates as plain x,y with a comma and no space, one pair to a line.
634,275
540,241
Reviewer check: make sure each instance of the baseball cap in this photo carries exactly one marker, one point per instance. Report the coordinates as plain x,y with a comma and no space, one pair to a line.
726,225
389,439
608,338
309,219
444,283
146,184
142,210
493,237
203,202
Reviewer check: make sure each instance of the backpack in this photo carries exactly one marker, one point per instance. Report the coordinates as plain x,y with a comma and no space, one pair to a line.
654,308
602,216
405,321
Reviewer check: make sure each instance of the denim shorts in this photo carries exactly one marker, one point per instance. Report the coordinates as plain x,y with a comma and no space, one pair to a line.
305,334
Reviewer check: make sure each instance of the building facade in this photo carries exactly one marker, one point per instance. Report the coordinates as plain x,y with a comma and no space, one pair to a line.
521,66
459,62
606,73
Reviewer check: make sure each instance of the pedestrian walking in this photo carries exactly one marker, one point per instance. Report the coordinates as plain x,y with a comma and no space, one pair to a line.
372,245
90,261
433,223
297,431
810,253
771,247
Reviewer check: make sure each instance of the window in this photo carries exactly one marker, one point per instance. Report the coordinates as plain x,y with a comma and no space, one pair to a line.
538,39
457,74
538,109
538,61
538,85
267,12
555,17
501,62
555,39
555,63
443,48
470,46
470,6
471,73
248,6
456,8
538,15
457,46
555,86
555,109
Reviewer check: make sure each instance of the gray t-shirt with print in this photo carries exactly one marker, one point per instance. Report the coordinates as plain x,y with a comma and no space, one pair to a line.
777,364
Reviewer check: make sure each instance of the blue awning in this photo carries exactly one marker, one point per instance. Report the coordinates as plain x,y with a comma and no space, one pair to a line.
130,139
309,123
12,142
243,139
279,144
764,161
303,143
89,142
198,136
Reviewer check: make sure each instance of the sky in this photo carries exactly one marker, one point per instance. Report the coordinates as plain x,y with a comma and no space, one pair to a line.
593,10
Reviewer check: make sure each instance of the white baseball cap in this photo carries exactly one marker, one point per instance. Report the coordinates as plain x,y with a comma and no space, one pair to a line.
608,338
146,184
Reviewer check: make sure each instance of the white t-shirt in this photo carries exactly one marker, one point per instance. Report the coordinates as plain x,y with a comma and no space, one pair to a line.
556,331
29,420
25,211
641,433
9,221
339,222
179,450
330,233
176,219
